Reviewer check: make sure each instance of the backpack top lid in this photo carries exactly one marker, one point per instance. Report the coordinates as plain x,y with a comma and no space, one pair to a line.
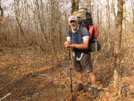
80,13
84,17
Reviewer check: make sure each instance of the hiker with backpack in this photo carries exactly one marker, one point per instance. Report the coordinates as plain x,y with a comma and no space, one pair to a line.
78,38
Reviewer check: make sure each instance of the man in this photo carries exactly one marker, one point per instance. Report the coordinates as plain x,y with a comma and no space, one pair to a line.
82,58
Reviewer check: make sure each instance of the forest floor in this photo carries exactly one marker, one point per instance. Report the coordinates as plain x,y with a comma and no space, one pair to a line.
27,74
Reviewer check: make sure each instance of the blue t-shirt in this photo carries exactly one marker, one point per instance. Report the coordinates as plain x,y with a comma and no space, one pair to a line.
77,38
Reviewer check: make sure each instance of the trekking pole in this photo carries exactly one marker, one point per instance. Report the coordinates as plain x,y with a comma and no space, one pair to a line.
71,86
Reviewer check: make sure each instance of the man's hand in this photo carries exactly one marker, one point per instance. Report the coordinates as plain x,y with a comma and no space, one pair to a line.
67,44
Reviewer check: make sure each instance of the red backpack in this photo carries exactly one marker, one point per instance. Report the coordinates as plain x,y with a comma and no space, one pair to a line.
94,45
93,31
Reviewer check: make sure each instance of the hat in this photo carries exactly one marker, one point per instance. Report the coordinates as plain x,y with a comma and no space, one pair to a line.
72,18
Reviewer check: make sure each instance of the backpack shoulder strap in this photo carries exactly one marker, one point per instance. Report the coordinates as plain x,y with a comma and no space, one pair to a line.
81,31
70,32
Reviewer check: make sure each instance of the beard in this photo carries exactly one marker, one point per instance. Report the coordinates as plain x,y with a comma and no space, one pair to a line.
73,27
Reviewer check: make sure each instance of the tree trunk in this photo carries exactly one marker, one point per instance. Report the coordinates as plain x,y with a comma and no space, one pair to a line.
1,17
133,22
108,16
75,5
1,12
124,19
88,5
117,71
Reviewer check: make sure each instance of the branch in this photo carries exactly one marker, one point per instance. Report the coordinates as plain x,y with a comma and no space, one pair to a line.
5,96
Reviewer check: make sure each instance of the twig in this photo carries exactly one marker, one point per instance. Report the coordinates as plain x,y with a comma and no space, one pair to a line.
5,96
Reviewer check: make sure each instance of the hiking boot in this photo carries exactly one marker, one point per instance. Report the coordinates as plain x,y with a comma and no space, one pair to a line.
80,87
94,93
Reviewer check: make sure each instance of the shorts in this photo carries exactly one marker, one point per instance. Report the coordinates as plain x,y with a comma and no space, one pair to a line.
85,64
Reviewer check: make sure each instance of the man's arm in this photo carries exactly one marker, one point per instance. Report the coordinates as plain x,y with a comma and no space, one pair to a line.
84,45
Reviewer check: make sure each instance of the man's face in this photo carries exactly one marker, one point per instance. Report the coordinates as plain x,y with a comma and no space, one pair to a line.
73,24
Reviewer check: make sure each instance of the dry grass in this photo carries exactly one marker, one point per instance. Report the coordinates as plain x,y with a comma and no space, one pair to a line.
28,75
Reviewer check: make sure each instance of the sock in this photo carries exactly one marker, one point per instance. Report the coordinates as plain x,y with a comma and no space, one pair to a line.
95,86
79,82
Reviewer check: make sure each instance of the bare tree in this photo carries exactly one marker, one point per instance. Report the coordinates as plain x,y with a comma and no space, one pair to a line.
108,15
117,71
1,12
89,6
133,21
20,12
75,5
1,17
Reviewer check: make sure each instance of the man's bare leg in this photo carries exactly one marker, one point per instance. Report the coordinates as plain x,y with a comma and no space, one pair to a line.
94,90
92,78
79,81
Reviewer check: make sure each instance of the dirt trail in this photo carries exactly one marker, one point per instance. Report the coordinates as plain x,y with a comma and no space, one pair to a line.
26,75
